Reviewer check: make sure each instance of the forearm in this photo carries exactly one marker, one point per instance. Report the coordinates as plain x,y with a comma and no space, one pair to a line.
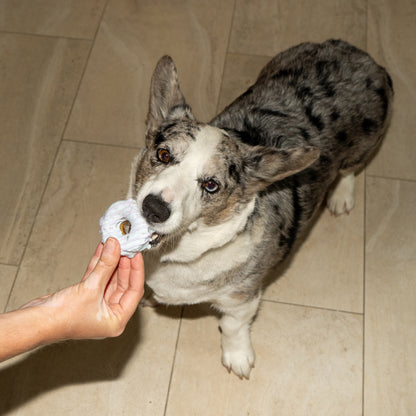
25,329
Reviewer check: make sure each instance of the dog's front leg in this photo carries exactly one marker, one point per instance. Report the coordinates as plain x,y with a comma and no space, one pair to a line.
237,353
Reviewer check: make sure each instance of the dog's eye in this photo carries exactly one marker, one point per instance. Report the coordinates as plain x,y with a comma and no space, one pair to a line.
211,186
163,155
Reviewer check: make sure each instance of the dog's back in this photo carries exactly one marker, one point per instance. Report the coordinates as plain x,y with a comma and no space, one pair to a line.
331,96
323,95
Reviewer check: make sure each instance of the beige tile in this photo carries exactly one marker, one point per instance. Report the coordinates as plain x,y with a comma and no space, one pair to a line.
327,270
68,18
128,375
7,275
38,80
390,307
270,26
240,72
112,104
391,40
86,179
309,362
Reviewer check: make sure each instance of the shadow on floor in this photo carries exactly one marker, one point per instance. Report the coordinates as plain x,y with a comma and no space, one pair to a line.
72,362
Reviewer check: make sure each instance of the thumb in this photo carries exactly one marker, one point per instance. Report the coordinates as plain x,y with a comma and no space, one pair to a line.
105,266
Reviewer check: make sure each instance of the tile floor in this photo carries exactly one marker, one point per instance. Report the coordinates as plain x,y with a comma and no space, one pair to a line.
336,333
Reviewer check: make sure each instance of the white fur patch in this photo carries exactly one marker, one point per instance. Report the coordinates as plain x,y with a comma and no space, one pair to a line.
178,185
133,171
178,283
201,238
342,199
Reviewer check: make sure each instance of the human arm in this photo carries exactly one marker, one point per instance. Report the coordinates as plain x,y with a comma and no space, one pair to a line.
99,306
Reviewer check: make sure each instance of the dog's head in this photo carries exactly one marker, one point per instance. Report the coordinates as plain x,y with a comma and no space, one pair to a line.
190,171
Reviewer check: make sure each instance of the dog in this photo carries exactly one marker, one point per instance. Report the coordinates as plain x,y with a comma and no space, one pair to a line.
229,199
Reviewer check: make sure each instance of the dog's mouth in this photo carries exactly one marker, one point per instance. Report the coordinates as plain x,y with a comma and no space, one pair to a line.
156,239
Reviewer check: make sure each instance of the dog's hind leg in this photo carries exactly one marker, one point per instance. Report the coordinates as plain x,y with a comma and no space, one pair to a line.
237,352
341,198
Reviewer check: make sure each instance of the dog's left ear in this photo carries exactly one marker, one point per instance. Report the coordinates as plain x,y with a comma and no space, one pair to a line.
266,165
166,98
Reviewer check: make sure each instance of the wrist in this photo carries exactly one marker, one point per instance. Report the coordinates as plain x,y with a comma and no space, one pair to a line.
52,325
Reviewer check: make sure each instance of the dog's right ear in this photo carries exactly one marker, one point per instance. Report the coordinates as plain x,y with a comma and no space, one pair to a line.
265,165
166,98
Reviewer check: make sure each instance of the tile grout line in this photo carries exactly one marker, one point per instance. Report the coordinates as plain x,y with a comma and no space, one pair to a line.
217,110
42,35
173,361
92,41
45,35
390,178
255,55
8,264
319,308
364,280
366,26
12,286
364,245
136,148
84,71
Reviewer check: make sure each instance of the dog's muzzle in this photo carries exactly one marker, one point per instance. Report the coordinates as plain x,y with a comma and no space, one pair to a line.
155,210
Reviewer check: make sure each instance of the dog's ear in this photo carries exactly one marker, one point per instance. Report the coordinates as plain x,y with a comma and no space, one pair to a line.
266,165
166,98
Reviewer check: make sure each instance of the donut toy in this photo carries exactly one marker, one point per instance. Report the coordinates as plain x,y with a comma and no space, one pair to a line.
123,221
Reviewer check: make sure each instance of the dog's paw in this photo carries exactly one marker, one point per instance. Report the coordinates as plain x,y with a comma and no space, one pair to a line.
341,200
240,362
339,204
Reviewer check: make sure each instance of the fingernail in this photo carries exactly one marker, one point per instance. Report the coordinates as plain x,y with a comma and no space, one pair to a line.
109,245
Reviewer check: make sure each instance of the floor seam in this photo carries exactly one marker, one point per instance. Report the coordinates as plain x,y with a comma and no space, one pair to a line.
391,178
321,308
173,361
225,62
84,71
42,35
122,146
364,280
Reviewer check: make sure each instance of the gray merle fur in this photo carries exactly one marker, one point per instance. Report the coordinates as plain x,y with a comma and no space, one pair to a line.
331,96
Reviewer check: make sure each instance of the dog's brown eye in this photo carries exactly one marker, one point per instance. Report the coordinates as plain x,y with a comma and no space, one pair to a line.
163,155
211,186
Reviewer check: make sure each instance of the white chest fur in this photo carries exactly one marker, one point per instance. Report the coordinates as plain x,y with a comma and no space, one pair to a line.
189,272
201,238
195,282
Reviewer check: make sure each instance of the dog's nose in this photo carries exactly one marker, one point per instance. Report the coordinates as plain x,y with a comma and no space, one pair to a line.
155,209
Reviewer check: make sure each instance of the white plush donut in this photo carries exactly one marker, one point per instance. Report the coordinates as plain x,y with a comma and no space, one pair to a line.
123,221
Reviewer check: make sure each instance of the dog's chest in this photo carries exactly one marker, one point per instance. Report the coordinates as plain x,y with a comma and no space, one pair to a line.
201,280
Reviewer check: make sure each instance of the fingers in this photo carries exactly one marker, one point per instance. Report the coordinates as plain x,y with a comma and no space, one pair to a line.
130,275
137,265
119,282
110,253
134,292
93,261
105,266
124,270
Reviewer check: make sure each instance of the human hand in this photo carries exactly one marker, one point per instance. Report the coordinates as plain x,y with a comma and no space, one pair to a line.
102,303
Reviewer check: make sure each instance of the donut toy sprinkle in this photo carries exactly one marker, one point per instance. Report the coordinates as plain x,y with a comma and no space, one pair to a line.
123,221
